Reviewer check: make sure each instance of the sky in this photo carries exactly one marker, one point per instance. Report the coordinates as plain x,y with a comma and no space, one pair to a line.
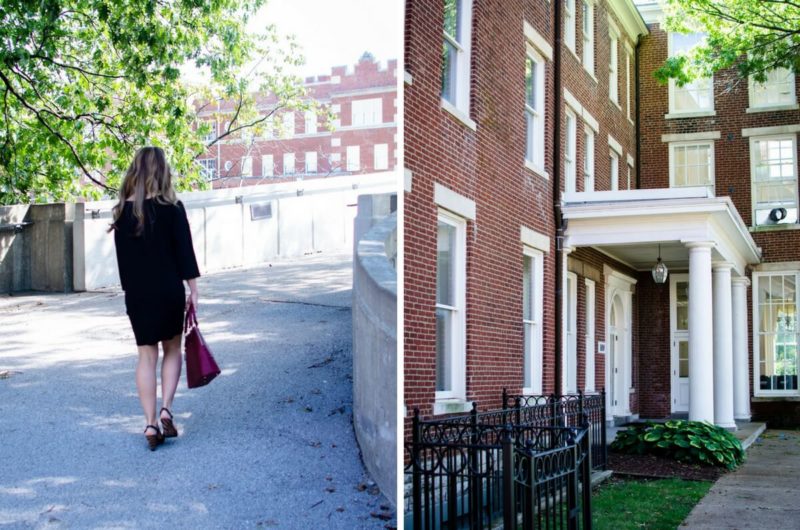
333,32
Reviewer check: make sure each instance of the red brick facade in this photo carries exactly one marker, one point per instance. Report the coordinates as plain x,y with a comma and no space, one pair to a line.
367,80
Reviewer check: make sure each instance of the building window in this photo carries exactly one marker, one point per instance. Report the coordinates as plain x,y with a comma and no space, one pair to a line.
450,307
288,164
381,161
456,52
288,125
353,158
311,122
697,96
628,95
534,109
773,169
588,36
269,127
614,170
212,134
775,321
588,159
247,136
247,166
366,112
311,162
776,91
613,68
691,164
569,24
630,172
208,168
267,166
532,307
569,153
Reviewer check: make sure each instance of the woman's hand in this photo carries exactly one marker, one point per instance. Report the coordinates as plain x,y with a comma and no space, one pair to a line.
193,294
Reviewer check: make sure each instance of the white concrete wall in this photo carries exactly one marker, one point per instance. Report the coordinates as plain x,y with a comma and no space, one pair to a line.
307,216
375,343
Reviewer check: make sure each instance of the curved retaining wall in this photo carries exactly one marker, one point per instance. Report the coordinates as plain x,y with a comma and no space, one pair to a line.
375,352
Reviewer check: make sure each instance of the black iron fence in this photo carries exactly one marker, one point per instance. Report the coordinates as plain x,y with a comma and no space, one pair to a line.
564,411
512,467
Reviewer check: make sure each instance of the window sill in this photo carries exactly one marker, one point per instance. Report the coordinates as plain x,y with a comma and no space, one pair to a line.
574,53
458,113
616,104
591,75
774,108
451,406
774,228
697,114
776,397
536,169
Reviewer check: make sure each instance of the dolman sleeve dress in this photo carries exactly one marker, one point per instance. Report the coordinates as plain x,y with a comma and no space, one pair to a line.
152,267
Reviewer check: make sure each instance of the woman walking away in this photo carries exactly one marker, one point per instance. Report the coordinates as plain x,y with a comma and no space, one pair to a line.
155,256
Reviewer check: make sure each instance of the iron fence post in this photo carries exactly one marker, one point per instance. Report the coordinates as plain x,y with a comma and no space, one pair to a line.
603,434
475,486
505,398
518,407
586,479
509,515
416,475
572,487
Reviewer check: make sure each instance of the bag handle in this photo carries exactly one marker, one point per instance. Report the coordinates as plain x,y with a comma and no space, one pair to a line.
191,318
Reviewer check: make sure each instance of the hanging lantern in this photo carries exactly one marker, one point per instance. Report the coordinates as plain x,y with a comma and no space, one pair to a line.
660,271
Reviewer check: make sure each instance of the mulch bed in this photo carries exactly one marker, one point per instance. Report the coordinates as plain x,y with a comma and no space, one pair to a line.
650,466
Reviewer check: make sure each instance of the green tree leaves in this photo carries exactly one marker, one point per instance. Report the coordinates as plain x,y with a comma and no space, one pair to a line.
84,83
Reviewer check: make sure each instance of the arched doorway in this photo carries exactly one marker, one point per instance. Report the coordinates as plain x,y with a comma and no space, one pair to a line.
619,311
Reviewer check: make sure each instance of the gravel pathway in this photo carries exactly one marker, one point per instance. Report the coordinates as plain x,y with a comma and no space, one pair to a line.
269,443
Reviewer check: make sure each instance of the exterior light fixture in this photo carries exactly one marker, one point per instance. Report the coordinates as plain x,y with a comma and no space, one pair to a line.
660,271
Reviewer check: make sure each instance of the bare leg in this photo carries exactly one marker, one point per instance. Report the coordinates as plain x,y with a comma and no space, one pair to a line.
170,371
146,382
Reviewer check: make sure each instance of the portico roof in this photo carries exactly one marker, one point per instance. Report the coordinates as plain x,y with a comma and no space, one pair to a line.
628,226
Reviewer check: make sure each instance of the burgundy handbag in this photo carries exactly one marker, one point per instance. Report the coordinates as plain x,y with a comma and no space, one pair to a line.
201,367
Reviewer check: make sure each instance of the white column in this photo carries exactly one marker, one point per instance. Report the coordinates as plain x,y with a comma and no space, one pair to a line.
741,368
723,347
701,337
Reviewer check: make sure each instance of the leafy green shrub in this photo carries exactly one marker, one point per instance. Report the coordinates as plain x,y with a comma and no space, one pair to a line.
687,441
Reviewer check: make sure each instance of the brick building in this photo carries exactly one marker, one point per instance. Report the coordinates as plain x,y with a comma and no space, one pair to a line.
545,181
295,145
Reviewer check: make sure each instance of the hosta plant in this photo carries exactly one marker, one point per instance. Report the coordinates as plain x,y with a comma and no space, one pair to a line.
687,441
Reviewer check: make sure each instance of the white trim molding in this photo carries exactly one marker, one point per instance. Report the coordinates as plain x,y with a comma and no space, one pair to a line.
536,39
455,111
453,201
534,239
408,179
691,137
615,145
767,131
581,111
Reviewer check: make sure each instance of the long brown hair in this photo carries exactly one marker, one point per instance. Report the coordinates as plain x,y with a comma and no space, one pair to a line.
148,176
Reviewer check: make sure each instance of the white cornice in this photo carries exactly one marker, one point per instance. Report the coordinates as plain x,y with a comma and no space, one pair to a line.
627,14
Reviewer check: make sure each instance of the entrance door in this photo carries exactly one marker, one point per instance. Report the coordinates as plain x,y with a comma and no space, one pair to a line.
679,341
571,366
616,357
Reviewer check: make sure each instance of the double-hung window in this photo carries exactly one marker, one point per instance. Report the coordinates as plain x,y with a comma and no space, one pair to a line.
311,122
267,166
366,112
628,86
450,307
777,91
588,159
353,158
288,125
694,97
534,110
456,54
212,133
247,166
775,329
773,169
311,162
569,153
288,164
380,157
691,164
532,304
588,35
208,168
569,24
613,66
614,157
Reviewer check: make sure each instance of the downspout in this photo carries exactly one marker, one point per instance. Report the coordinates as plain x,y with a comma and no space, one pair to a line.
559,224
638,117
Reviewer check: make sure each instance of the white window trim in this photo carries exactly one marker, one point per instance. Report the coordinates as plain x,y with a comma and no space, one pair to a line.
753,140
673,145
628,84
457,396
536,340
570,23
766,108
613,175
247,161
570,322
271,165
293,158
570,169
671,95
756,342
375,152
356,166
450,200
613,68
537,40
536,163
463,58
588,157
591,332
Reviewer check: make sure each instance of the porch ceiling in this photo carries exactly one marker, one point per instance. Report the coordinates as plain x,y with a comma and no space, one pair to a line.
629,225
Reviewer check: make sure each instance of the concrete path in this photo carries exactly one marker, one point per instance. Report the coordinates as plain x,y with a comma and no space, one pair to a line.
760,494
269,443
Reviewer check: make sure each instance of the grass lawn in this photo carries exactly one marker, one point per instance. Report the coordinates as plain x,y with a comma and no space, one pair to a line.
620,504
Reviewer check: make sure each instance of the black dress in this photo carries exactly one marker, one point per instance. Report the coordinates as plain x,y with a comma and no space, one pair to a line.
152,267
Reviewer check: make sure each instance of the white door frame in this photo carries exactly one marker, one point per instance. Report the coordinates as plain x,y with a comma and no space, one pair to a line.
619,285
569,379
674,337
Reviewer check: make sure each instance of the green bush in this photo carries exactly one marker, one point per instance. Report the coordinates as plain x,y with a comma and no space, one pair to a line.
687,441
